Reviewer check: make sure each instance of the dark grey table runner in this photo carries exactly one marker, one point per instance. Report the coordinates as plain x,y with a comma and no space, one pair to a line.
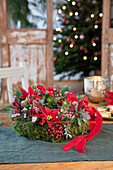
15,149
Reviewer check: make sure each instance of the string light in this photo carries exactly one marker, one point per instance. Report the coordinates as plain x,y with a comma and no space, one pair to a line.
64,7
73,3
93,44
66,53
58,29
76,13
57,18
74,28
85,58
68,0
59,40
95,26
54,38
71,45
59,11
76,36
70,14
101,15
92,15
95,58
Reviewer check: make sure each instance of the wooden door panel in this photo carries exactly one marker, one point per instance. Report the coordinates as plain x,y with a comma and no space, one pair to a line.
110,64
31,45
107,43
26,36
34,55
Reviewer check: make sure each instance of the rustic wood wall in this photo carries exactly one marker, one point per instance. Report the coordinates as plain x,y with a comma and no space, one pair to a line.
30,45
107,43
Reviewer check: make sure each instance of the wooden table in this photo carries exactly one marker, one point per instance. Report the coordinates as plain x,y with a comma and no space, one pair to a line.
79,165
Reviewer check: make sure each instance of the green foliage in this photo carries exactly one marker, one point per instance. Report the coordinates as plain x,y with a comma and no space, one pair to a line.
47,114
77,129
87,35
19,11
18,93
1,123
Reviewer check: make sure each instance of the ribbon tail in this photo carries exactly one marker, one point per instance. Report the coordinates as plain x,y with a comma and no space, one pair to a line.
92,125
79,142
98,125
69,145
72,143
80,146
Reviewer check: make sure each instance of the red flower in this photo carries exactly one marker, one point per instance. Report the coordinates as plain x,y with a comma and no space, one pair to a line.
25,94
51,94
31,93
17,111
71,98
110,98
83,103
32,113
74,93
48,116
52,89
16,104
42,88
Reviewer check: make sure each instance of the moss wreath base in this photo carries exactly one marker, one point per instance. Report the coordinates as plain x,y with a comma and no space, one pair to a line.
52,114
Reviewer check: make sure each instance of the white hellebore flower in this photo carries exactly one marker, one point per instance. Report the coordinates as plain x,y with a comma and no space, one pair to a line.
24,109
62,110
14,115
34,119
24,115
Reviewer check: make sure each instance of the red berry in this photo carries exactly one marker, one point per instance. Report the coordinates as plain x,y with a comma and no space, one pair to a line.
52,135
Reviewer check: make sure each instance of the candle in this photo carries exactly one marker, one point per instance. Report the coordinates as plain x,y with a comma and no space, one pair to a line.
95,87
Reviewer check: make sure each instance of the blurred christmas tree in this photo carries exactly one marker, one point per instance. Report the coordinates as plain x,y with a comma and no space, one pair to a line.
77,39
26,12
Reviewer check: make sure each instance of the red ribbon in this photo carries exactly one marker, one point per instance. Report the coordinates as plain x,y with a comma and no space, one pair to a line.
95,127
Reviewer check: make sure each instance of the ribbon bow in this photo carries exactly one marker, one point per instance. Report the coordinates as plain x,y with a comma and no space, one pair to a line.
95,127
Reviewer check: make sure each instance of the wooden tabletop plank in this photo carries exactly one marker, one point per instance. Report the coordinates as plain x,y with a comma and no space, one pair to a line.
82,165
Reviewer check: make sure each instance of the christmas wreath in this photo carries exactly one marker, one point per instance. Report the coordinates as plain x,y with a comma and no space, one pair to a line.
52,114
